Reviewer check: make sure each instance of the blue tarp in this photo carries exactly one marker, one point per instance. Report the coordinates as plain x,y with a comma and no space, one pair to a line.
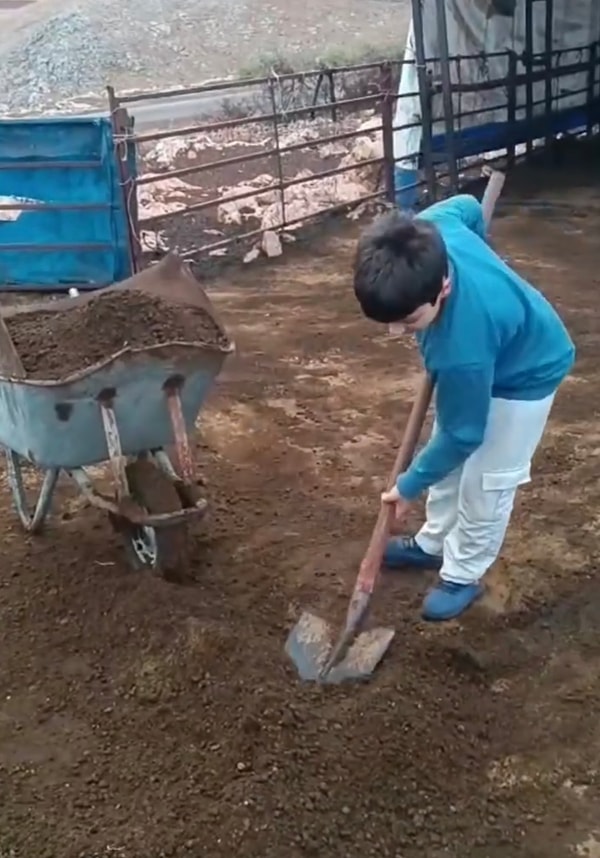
70,161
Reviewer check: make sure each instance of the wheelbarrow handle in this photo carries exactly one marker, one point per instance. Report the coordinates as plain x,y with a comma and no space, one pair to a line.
492,191
374,553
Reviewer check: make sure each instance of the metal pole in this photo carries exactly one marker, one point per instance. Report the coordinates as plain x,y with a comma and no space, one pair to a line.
387,134
426,120
120,128
280,174
332,97
528,58
549,45
442,28
592,107
511,109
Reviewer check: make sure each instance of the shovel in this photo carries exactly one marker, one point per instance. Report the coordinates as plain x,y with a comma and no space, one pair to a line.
357,653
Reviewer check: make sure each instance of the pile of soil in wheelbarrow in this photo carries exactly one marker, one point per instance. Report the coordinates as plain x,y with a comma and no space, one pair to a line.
54,344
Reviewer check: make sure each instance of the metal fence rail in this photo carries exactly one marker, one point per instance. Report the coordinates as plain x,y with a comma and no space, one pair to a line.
442,159
276,119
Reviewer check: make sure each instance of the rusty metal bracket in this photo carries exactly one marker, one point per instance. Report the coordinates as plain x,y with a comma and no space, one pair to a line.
182,442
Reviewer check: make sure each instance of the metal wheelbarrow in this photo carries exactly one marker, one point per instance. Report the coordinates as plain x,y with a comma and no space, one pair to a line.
125,410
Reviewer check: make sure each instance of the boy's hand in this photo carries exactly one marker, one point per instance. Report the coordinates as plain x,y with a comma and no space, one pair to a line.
401,505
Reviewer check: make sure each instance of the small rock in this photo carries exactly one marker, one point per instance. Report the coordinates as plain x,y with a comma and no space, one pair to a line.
252,254
271,244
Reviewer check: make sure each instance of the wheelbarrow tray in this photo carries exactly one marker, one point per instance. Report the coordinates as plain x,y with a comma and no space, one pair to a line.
57,424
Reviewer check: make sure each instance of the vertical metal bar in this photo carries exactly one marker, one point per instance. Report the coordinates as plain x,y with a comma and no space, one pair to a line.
442,29
113,445
528,60
316,94
134,221
120,129
511,108
332,96
458,114
387,121
548,48
182,442
428,155
592,107
277,149
425,99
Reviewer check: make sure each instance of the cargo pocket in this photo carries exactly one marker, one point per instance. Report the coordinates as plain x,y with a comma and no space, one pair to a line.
499,489
503,481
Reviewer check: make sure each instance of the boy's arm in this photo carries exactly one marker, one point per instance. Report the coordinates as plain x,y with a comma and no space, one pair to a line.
462,406
463,207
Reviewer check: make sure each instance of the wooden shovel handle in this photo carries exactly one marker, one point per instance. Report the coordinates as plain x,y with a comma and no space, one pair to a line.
372,559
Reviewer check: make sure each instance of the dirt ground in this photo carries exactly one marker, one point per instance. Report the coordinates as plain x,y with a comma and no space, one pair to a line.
141,718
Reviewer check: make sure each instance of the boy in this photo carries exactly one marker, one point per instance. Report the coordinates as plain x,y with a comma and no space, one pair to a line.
497,352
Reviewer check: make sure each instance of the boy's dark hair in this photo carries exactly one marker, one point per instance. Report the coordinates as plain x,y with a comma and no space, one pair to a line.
400,264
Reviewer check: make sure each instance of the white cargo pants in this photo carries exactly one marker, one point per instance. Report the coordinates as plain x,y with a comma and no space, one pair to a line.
468,512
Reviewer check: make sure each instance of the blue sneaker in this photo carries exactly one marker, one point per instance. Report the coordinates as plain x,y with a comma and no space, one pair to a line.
403,551
448,600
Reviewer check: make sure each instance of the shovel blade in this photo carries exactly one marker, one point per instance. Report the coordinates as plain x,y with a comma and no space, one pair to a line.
310,642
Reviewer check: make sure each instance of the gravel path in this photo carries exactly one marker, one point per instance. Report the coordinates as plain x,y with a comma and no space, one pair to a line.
53,52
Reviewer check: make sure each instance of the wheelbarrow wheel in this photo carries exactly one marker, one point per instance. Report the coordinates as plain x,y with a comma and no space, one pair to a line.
163,550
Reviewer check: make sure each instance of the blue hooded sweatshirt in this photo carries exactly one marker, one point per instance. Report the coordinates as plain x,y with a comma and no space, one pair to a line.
496,337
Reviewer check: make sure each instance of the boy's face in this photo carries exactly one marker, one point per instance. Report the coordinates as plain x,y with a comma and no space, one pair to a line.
423,316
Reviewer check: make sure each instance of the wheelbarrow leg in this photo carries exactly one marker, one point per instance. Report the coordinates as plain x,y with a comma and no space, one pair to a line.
184,475
32,522
164,463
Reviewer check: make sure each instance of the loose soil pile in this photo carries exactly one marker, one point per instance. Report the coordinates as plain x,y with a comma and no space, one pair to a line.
53,344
